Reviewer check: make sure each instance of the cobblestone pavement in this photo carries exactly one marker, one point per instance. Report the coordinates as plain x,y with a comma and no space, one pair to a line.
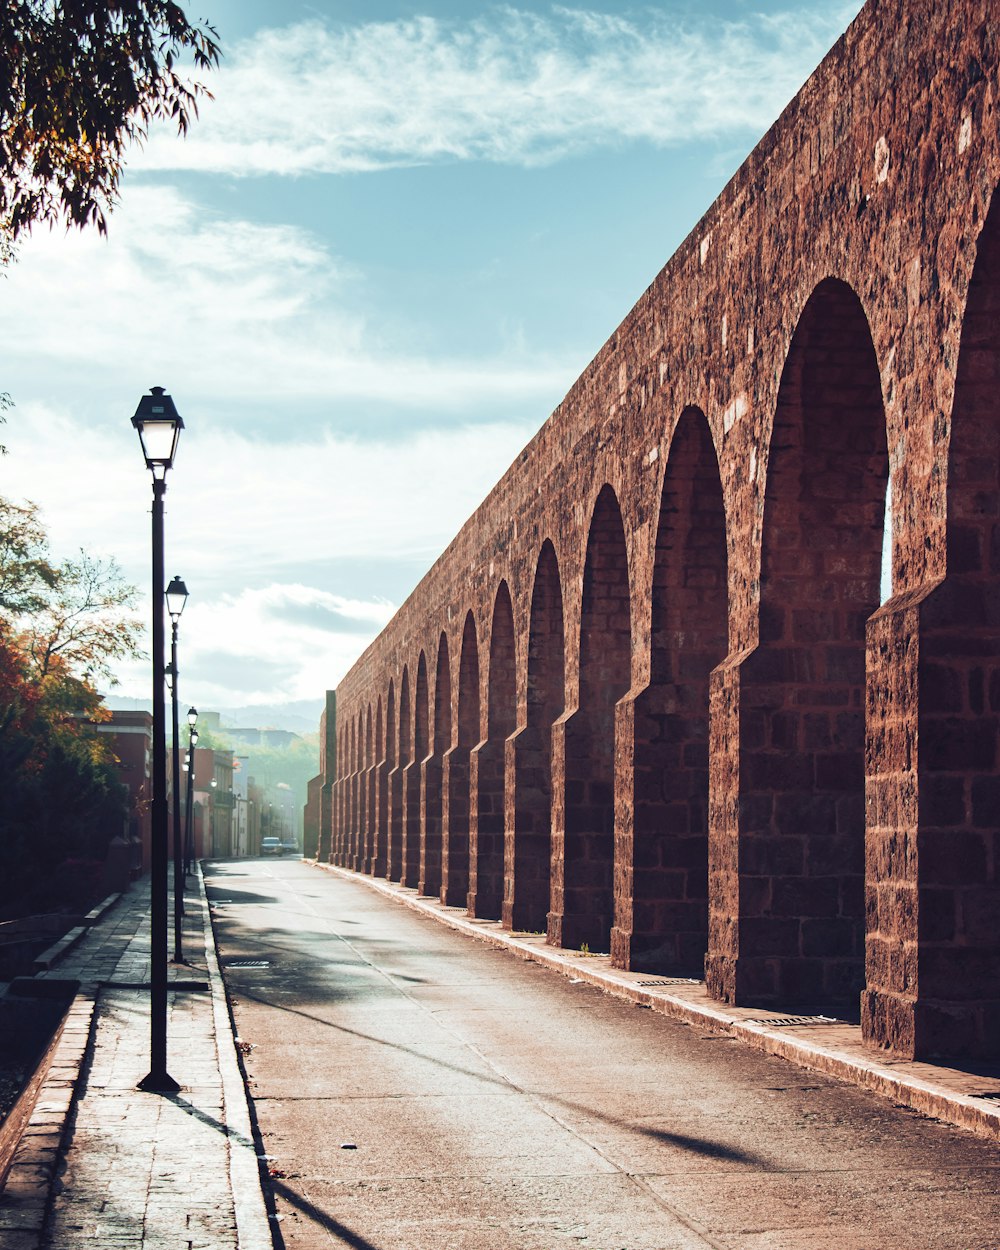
103,1163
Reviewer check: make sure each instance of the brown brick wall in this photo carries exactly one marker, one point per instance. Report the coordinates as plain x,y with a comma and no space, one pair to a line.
680,726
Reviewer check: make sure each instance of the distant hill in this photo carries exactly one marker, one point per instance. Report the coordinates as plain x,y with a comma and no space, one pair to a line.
301,716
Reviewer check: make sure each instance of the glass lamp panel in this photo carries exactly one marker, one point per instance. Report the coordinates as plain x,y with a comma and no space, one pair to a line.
159,440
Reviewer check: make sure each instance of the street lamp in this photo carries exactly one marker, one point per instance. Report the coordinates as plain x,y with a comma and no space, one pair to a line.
158,424
192,719
176,596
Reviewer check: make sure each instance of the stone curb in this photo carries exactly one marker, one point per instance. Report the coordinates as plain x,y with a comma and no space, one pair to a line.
24,1199
253,1228
922,1087
52,954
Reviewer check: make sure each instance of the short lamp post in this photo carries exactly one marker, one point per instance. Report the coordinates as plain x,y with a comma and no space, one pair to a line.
159,425
192,719
176,596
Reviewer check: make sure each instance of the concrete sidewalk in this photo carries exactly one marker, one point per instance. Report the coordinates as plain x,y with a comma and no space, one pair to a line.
966,1096
102,1163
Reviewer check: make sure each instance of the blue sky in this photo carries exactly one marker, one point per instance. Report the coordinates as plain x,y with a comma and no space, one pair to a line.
377,263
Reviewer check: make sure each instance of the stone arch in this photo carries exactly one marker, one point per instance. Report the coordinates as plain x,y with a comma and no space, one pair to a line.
340,752
367,849
380,850
404,720
352,818
360,798
529,849
584,904
431,774
394,860
455,779
411,778
802,691
935,984
487,822
668,901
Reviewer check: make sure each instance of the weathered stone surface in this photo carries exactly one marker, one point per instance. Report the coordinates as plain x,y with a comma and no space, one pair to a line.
668,675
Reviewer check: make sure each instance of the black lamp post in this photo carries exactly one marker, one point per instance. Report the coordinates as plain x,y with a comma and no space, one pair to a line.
192,719
176,597
159,425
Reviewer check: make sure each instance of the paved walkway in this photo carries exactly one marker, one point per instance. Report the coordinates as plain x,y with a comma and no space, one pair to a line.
968,1096
102,1163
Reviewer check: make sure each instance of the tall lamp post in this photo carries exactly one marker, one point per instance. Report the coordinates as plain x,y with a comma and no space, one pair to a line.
177,597
159,425
192,719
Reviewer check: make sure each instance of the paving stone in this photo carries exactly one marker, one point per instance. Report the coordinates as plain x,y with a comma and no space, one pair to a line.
134,1168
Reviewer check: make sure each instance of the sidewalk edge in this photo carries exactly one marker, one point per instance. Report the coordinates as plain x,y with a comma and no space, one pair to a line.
26,1195
253,1228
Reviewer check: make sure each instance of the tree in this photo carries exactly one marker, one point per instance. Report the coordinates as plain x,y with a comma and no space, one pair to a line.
84,624
79,81
61,628
60,798
26,574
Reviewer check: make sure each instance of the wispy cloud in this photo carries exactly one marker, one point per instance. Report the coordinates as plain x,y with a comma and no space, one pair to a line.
238,647
512,86
262,315
241,512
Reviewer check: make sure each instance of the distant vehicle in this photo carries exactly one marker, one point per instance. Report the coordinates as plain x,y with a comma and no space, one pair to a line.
271,846
290,848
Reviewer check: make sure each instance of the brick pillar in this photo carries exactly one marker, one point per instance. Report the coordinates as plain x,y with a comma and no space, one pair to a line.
724,899
394,859
588,834
326,811
623,935
380,850
800,840
557,861
361,823
430,823
528,822
367,857
486,829
933,892
410,824
455,827
340,835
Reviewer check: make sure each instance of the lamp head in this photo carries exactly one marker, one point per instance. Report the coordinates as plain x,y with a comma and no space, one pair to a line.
192,716
176,596
159,424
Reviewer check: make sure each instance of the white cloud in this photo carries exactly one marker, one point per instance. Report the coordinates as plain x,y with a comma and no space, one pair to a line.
249,313
512,87
242,512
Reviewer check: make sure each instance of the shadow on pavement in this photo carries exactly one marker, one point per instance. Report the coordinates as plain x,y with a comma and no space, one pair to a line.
297,1200
696,1145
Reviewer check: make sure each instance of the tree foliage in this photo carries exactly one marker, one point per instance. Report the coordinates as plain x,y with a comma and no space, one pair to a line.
61,628
26,574
80,80
86,622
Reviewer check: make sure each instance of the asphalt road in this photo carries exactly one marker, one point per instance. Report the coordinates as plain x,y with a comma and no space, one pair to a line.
420,1091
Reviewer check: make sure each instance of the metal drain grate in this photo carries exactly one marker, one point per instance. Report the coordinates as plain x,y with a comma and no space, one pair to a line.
670,981
992,1094
249,963
787,1022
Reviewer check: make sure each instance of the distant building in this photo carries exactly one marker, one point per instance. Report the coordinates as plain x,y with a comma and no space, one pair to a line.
132,742
310,817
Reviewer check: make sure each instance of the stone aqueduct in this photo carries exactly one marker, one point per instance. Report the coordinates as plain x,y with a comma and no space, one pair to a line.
652,698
